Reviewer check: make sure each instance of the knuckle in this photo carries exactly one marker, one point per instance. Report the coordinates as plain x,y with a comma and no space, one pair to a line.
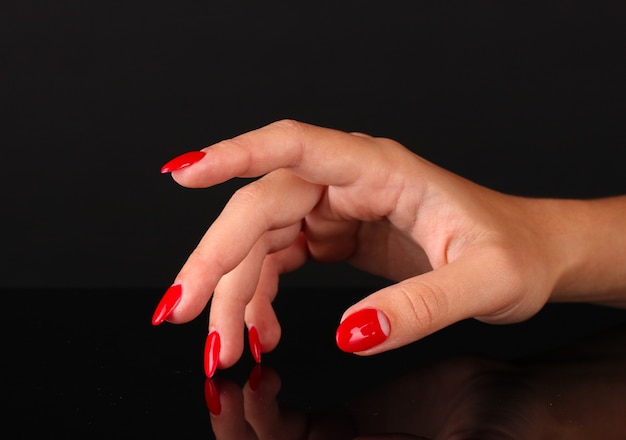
388,142
297,132
251,194
254,201
426,302
289,125
517,284
388,146
507,269
235,142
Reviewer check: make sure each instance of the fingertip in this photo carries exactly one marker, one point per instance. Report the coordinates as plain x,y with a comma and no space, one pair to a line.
223,348
182,161
212,348
182,302
260,314
255,343
363,330
168,303
219,352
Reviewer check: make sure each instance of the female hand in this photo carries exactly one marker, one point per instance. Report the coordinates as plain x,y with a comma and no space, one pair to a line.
455,249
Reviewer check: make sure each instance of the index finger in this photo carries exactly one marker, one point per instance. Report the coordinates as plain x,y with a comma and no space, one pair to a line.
318,155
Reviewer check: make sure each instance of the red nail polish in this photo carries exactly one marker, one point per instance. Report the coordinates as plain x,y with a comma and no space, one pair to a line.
211,353
255,343
167,304
363,330
212,397
182,161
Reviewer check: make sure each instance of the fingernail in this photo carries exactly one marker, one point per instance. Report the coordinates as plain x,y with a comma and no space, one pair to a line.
362,330
254,379
167,304
212,397
211,353
255,343
182,161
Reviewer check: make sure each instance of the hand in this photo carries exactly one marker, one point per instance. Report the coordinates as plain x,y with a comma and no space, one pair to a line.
455,249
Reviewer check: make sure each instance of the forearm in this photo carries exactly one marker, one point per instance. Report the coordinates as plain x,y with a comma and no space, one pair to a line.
587,241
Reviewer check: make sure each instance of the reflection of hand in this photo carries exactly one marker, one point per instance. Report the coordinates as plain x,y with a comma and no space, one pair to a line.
575,394
457,249
252,413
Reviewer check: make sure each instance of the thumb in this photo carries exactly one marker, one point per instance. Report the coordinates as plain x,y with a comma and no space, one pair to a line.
487,285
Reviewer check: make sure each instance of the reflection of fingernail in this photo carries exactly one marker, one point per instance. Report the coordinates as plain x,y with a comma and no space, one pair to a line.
255,343
211,353
182,161
254,379
362,330
167,304
212,397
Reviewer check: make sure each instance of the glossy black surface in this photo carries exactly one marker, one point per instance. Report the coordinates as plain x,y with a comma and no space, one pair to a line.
88,364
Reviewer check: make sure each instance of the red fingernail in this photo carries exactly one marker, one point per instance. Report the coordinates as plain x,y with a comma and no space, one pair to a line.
255,343
182,161
167,304
363,330
211,353
212,397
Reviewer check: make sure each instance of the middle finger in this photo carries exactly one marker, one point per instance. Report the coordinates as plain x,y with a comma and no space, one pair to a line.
275,201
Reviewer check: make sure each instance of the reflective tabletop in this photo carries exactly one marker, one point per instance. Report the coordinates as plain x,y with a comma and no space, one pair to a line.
89,364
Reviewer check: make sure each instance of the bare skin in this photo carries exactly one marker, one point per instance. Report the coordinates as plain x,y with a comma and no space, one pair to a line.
454,249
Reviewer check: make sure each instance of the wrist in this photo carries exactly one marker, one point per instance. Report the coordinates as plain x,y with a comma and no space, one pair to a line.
586,244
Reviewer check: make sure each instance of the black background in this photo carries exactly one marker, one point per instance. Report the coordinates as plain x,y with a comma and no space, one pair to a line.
525,97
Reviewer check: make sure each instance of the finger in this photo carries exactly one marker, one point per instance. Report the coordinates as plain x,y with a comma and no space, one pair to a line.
237,288
259,312
373,169
319,155
486,284
365,176
276,201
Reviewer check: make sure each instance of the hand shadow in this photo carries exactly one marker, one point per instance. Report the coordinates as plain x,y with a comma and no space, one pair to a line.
576,393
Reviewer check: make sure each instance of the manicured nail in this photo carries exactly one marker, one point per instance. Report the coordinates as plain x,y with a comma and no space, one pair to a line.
254,379
167,304
363,330
255,343
212,397
211,353
182,161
